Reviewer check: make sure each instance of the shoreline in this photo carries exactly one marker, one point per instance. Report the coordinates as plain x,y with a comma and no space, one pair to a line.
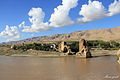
5,51
34,53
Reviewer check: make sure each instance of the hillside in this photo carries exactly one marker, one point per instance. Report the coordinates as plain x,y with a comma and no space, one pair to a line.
112,34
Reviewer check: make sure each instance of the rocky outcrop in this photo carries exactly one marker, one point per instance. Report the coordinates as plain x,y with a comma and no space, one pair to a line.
118,54
83,50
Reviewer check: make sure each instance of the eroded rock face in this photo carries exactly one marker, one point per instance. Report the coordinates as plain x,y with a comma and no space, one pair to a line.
83,50
118,54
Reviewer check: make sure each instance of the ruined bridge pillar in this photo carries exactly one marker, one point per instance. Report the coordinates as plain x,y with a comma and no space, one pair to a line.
64,48
83,50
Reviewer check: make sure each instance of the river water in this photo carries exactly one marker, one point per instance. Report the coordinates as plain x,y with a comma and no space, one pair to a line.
62,68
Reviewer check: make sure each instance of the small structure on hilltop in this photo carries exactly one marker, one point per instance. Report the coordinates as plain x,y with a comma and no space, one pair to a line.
63,47
83,49
118,54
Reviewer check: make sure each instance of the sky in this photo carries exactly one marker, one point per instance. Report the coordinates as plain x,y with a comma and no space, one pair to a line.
22,19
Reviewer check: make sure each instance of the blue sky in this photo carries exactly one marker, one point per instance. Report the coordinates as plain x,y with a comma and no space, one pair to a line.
13,12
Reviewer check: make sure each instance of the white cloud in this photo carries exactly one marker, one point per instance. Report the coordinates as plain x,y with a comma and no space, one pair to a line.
60,17
37,24
114,8
95,10
10,33
92,11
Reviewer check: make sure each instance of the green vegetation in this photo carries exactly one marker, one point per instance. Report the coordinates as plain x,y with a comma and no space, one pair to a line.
35,46
104,45
99,44
74,45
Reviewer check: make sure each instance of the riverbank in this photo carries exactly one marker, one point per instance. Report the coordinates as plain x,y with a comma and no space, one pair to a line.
4,51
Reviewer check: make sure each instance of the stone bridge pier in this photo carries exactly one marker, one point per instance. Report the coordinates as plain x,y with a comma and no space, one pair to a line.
83,49
64,48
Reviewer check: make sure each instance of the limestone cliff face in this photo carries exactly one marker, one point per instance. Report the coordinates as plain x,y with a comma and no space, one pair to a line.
97,34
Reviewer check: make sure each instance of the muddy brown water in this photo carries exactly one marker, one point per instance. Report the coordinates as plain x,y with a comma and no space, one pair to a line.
62,68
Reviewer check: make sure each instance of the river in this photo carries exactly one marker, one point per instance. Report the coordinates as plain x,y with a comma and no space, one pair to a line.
60,68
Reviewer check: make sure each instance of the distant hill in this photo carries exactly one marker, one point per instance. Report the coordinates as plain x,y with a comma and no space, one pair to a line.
112,34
